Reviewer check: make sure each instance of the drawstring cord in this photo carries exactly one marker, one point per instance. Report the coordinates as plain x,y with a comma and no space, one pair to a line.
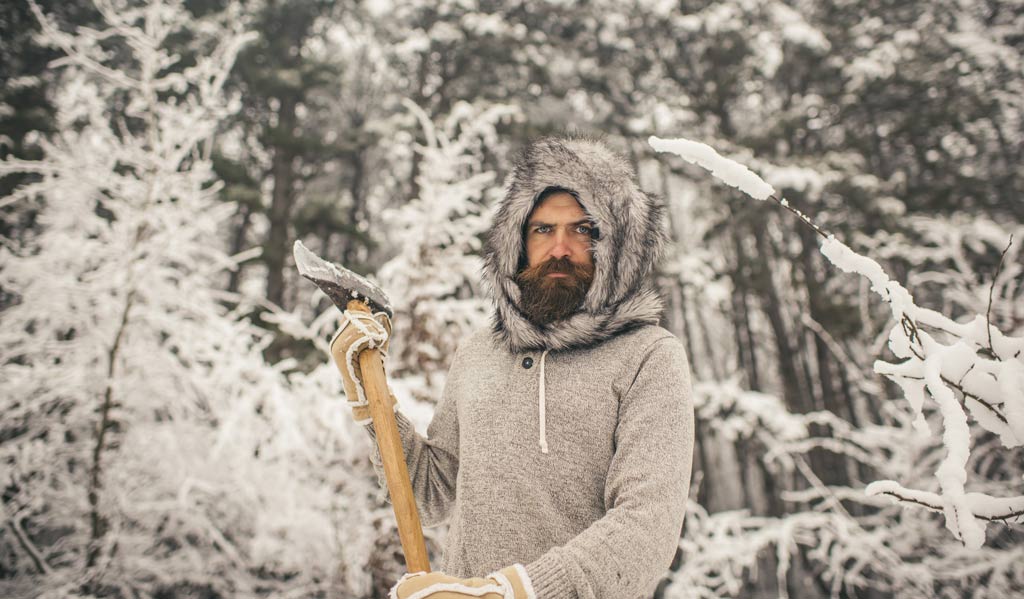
541,402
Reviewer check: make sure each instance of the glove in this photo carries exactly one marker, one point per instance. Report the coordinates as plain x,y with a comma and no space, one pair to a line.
359,331
508,583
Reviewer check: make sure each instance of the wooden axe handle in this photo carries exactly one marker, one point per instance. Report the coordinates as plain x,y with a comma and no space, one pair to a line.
375,385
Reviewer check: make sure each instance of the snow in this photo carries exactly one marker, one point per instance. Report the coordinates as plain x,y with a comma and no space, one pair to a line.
847,260
738,413
728,171
797,30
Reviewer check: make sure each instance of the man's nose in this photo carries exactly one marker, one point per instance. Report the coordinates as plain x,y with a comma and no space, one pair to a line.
561,247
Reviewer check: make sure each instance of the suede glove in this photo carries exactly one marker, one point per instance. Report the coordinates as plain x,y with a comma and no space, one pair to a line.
508,583
359,331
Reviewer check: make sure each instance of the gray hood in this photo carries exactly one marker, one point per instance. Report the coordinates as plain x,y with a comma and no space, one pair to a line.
621,295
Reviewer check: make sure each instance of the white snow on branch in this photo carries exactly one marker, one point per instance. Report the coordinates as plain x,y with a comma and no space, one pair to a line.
979,504
728,171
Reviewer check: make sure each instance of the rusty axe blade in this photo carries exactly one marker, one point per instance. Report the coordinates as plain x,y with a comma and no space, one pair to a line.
339,283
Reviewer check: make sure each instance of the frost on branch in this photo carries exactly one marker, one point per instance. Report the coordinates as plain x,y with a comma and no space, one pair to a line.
973,365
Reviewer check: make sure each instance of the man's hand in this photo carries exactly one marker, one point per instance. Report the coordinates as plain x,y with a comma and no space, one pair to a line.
359,331
508,583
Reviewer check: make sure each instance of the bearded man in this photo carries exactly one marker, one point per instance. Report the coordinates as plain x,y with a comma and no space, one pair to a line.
561,449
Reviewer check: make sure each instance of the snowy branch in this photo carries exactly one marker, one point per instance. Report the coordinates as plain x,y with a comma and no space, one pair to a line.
980,362
980,505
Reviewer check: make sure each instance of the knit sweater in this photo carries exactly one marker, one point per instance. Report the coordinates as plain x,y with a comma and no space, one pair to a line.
597,516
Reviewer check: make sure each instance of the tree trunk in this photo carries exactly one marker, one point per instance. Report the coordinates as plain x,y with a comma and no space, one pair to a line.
746,348
277,248
794,394
829,466
97,523
237,241
355,210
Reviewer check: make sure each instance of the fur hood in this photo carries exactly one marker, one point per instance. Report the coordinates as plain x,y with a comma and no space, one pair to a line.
631,238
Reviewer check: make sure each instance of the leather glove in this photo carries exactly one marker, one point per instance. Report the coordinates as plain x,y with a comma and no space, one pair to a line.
359,331
508,583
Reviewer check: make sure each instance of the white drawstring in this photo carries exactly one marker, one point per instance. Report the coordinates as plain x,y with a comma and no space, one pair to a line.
543,414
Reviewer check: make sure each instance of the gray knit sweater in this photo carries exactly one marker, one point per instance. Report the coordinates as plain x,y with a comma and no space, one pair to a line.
565,447
598,515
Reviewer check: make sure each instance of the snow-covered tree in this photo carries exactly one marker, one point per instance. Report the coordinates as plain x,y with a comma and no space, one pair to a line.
434,278
147,446
972,373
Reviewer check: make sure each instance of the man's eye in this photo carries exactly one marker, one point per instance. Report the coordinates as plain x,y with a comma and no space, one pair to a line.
542,229
583,229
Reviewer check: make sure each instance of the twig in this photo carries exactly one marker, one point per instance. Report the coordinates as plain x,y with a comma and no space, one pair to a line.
991,288
935,508
95,483
803,217
995,411
29,547
991,407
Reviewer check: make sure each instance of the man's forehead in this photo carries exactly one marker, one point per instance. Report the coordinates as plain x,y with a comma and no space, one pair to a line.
561,204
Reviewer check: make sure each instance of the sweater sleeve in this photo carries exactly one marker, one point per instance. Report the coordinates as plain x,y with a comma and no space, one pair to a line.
626,552
433,461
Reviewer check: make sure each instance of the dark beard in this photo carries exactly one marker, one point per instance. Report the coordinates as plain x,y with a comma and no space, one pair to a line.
547,299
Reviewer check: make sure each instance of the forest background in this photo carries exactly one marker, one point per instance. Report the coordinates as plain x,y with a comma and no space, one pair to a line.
172,426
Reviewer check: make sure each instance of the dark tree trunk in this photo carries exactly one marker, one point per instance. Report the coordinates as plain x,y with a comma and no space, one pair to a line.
684,313
355,210
829,466
795,395
745,346
237,241
277,248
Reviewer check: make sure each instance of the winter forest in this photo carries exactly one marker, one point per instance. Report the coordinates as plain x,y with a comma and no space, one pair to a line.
852,305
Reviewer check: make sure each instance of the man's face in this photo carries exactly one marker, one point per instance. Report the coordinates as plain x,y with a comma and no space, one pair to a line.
558,227
560,267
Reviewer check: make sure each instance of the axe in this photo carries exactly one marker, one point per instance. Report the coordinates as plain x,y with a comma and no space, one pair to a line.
352,292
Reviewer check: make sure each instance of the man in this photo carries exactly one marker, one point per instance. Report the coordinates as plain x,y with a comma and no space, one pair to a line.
561,449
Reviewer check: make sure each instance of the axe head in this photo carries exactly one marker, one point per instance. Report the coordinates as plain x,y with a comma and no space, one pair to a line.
339,283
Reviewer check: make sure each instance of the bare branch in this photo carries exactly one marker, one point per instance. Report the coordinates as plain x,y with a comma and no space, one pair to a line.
988,312
803,217
29,547
995,411
937,508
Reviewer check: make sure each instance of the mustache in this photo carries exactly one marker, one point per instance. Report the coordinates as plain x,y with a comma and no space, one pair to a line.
581,272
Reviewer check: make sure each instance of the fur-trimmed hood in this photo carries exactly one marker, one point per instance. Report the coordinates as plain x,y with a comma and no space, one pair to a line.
631,238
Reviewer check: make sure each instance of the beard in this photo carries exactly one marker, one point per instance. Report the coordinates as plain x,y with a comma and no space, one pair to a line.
547,299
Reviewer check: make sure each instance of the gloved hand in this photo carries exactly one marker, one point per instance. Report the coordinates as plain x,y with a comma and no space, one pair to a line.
358,331
508,583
